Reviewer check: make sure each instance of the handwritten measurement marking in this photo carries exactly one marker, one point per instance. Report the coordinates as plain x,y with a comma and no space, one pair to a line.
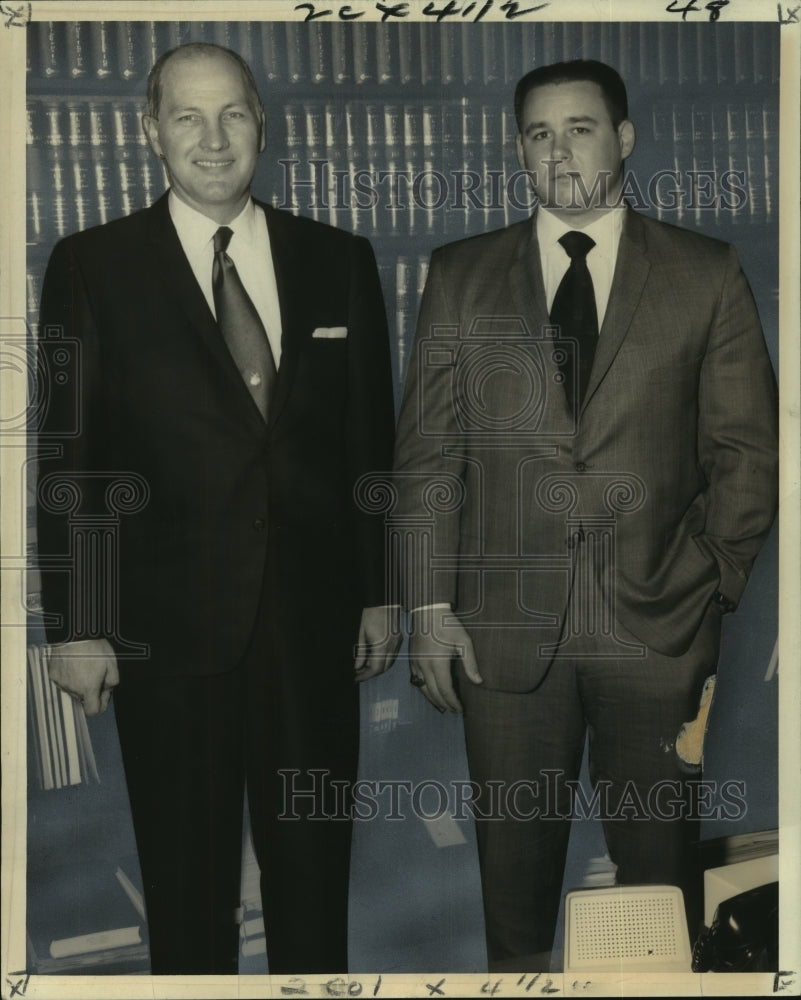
18,988
17,16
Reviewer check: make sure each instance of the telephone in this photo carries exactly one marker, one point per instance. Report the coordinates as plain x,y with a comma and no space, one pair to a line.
744,936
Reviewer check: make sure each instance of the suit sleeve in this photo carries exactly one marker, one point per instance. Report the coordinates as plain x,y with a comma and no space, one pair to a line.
428,483
370,420
738,434
68,443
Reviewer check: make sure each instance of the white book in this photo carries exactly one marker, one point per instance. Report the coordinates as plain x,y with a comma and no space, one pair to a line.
119,937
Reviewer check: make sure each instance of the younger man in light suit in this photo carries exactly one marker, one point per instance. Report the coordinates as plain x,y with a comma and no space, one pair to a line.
599,385
233,370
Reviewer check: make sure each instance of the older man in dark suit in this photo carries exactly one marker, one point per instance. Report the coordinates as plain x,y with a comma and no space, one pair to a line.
594,387
234,363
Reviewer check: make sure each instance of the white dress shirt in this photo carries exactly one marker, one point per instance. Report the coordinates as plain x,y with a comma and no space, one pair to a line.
605,230
250,251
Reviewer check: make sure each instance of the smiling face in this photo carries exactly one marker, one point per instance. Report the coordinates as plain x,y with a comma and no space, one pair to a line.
572,150
208,132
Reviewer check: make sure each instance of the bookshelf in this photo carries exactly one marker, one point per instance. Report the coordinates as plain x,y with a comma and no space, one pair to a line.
404,133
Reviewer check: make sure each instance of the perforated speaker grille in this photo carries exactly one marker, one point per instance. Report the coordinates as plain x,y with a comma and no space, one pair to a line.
640,927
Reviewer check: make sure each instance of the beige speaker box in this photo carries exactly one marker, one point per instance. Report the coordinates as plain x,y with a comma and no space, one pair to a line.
640,928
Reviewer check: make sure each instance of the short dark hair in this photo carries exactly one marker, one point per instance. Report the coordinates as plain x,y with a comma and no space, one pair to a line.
577,70
198,48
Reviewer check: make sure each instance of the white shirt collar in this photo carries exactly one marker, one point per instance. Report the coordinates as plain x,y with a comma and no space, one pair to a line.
195,230
605,230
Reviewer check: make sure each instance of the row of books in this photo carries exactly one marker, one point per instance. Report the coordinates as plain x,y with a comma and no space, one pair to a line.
398,168
62,752
735,145
414,53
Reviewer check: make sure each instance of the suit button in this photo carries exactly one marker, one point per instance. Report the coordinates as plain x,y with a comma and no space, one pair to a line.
258,524
581,466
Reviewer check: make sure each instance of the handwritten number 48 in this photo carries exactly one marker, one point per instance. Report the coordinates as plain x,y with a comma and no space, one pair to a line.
714,7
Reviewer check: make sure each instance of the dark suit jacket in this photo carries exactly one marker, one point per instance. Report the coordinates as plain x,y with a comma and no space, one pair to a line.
231,502
676,444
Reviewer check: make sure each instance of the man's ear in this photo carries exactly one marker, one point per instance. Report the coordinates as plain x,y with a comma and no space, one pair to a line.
150,126
262,132
521,160
627,137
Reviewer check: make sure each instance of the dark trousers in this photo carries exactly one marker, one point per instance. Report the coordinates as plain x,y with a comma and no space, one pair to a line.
632,710
191,745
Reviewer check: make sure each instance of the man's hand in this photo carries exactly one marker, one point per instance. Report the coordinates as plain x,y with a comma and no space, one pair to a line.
433,645
379,639
87,671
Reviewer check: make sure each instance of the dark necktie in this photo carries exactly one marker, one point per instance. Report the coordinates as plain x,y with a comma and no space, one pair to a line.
240,325
574,311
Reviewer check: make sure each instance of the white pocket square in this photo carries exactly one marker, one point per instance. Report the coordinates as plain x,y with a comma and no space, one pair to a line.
330,332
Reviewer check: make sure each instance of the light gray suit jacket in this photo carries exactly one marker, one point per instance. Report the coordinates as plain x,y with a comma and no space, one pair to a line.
638,509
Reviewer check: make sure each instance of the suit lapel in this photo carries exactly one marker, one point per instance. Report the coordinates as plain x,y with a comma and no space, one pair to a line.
525,279
291,279
171,268
631,272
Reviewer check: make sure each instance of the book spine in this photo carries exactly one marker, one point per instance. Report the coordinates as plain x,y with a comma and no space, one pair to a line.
50,47
412,138
513,198
724,53
320,67
705,177
131,41
492,55
428,40
316,157
297,57
682,151
89,772
761,56
431,185
54,733
387,55
119,937
407,51
341,53
130,890
737,161
104,178
55,169
274,51
69,708
364,67
770,134
755,153
37,184
38,677
375,161
450,62
403,318
397,191
669,41
706,73
100,49
36,771
743,52
76,49
454,212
